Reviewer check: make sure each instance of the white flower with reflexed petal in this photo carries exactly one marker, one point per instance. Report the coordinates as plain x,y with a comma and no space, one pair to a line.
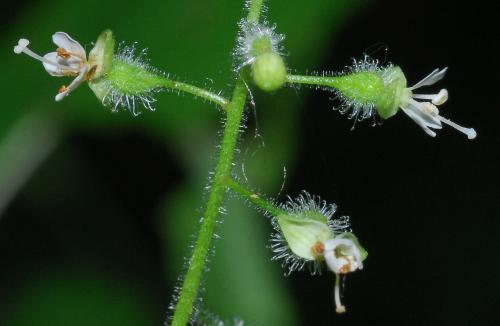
343,255
69,59
426,113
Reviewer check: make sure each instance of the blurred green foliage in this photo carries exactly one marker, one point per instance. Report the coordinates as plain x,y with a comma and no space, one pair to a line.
192,40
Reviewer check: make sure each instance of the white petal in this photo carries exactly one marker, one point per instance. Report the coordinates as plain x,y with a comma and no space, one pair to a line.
427,112
432,78
334,263
415,117
65,41
52,69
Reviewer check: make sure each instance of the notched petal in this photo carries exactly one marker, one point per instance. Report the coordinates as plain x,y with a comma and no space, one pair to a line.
63,40
53,70
435,76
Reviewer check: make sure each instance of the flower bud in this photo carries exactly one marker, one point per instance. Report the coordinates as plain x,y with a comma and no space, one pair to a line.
259,46
269,71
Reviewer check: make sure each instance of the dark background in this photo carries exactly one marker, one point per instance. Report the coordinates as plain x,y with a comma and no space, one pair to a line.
85,239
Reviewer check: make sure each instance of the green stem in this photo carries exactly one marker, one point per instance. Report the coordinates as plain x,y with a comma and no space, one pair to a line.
196,91
253,197
234,109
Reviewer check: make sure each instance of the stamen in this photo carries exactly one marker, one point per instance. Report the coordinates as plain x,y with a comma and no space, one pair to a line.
437,99
339,308
63,53
429,108
74,84
63,89
318,248
470,132
441,97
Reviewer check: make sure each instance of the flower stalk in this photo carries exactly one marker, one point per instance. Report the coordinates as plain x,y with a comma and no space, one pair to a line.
253,197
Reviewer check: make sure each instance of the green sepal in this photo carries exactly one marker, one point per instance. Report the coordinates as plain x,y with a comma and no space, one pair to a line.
100,88
101,56
303,231
389,100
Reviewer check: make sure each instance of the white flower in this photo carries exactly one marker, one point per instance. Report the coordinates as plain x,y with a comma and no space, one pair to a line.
426,114
342,255
69,59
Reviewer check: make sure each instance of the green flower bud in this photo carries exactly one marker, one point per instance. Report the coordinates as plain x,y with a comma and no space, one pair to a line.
260,46
269,71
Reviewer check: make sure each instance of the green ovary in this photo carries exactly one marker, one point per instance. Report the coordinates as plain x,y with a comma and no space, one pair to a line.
132,79
384,89
361,87
128,79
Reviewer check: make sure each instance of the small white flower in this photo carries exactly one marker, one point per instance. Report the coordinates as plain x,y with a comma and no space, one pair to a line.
69,59
342,256
426,114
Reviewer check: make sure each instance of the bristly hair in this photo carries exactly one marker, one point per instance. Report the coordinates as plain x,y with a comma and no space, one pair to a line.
360,110
305,202
116,98
248,33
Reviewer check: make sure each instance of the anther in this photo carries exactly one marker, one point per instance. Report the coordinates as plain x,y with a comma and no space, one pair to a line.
63,53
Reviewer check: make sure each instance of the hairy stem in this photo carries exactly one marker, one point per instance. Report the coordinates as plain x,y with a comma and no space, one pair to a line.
312,80
192,279
234,111
196,91
253,197
254,10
